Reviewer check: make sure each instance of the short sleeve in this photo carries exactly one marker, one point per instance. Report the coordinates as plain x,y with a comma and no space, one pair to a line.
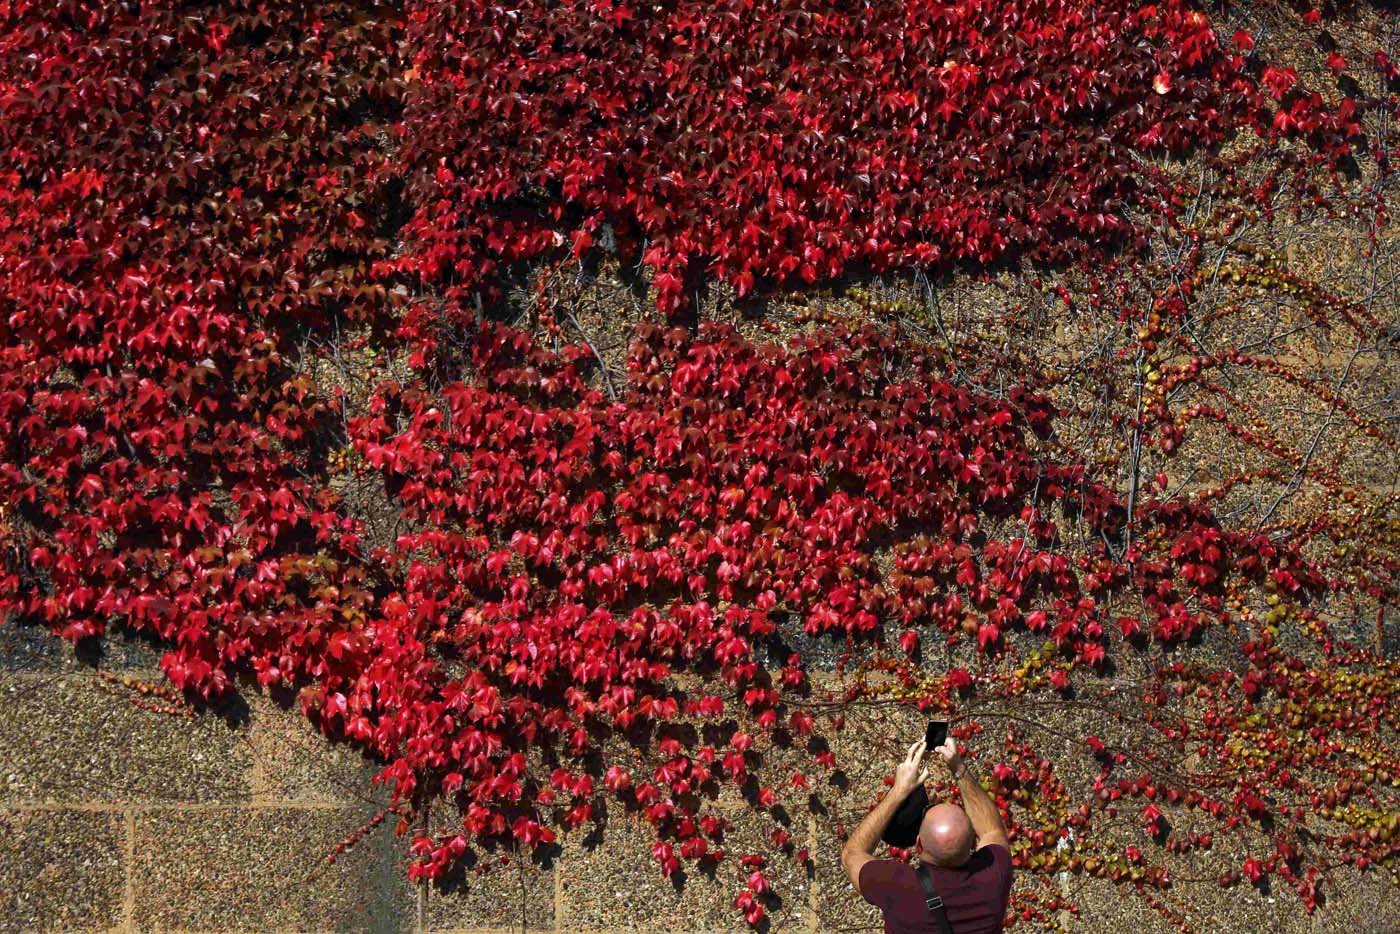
878,881
1000,871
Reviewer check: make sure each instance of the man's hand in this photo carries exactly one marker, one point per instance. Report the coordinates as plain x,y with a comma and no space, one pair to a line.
861,843
949,752
908,775
981,810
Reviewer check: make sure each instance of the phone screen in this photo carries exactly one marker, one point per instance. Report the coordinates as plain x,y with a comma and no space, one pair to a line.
937,733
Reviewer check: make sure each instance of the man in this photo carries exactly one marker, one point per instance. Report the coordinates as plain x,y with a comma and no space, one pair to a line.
965,853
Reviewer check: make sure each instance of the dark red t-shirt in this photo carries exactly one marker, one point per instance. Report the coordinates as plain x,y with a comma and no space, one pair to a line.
974,895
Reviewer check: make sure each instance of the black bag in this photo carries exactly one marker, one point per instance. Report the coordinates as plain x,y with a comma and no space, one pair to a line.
903,828
932,900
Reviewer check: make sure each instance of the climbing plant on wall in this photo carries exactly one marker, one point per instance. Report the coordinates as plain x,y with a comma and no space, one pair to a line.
620,585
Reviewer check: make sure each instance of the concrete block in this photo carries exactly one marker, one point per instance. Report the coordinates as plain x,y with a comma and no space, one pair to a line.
870,744
292,761
483,893
31,648
839,906
35,649
63,739
264,869
488,895
612,883
61,870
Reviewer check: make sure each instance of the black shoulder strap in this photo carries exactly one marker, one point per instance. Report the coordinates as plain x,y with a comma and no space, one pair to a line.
932,899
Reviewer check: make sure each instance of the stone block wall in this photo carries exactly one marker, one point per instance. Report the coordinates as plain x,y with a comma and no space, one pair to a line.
118,818
115,817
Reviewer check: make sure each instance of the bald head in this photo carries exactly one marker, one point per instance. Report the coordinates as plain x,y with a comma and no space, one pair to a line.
946,836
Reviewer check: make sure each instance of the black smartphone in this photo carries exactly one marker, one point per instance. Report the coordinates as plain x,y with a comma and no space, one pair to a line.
937,733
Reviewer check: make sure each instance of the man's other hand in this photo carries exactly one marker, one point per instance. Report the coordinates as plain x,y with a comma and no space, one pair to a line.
949,752
908,775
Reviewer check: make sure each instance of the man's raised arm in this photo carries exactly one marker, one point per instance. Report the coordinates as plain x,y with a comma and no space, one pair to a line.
861,844
980,808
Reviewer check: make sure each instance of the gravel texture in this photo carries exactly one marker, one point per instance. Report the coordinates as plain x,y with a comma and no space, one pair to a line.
60,870
264,869
614,884
292,761
32,648
64,739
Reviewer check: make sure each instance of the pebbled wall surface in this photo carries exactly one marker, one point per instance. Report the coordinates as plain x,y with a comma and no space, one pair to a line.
118,818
